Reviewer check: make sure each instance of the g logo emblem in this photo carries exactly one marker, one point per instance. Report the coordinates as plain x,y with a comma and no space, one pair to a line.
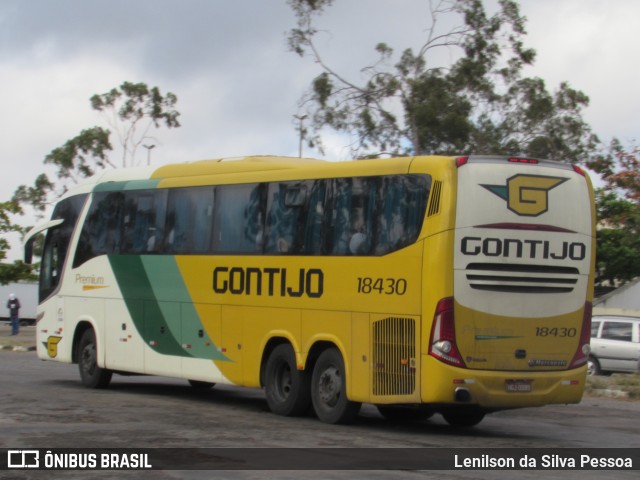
52,346
527,195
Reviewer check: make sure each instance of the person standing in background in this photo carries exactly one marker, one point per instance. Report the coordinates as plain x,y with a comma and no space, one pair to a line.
13,304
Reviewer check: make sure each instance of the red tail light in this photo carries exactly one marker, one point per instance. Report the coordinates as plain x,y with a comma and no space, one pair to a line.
531,161
442,344
584,347
460,161
579,170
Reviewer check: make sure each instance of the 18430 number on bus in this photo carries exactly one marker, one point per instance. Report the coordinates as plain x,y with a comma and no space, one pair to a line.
382,286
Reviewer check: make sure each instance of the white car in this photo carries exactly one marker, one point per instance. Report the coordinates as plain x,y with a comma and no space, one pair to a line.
615,345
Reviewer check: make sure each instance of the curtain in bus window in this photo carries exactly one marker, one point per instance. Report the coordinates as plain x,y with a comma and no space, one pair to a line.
144,219
403,201
239,219
353,216
189,226
286,207
315,219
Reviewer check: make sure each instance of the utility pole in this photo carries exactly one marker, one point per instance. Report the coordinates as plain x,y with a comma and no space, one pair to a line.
149,148
302,132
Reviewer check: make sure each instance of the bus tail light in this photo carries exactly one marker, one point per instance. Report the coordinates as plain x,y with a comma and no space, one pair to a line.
530,161
579,170
460,161
442,344
584,348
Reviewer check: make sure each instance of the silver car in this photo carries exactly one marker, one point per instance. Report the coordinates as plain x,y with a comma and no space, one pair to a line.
615,345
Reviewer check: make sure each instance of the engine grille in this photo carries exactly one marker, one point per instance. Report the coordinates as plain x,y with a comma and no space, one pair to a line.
516,278
394,356
434,205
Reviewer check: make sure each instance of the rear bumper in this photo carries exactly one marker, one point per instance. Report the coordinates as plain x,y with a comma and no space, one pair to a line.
445,384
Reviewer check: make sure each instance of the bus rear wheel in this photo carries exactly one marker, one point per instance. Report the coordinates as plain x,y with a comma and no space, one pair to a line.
329,389
286,387
91,374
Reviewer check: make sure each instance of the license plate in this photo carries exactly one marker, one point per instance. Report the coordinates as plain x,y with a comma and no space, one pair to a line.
518,386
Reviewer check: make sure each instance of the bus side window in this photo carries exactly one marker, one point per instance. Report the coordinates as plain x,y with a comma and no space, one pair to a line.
238,225
286,207
189,224
102,227
402,203
352,221
144,221
315,222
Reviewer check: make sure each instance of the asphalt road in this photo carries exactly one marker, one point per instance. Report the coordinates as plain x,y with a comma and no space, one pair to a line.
43,405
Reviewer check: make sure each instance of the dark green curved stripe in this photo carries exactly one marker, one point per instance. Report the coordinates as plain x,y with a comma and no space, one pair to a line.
162,324
126,185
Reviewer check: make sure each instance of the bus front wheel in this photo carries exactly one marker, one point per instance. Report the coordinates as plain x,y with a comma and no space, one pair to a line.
286,387
329,389
91,374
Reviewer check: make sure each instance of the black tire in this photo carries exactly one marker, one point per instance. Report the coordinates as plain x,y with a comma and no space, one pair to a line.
405,413
286,388
463,417
593,367
201,386
91,374
329,390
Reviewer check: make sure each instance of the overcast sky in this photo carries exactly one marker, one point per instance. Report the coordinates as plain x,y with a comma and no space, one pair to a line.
238,86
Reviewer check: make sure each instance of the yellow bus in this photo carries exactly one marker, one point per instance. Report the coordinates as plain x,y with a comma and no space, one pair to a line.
451,285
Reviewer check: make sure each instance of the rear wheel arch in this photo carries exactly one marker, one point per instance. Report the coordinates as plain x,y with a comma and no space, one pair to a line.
287,388
315,351
91,374
269,347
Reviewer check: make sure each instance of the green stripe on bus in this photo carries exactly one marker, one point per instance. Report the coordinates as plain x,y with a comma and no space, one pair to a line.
162,325
166,281
150,321
127,185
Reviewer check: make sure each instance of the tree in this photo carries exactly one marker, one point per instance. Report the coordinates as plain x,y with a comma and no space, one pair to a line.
618,210
620,169
18,270
481,103
131,110
140,108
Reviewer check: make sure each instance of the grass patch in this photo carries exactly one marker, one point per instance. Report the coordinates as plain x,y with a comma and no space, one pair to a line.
628,383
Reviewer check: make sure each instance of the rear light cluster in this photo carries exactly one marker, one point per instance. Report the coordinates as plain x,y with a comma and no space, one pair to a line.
579,170
460,161
584,345
523,160
442,344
